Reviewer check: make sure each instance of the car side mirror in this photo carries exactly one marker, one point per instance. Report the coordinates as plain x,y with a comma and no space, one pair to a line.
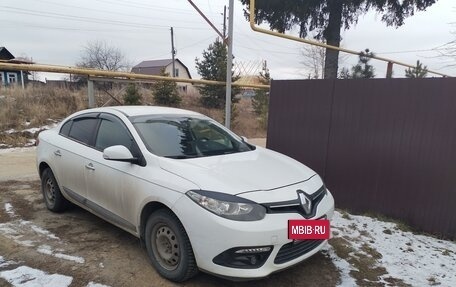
119,153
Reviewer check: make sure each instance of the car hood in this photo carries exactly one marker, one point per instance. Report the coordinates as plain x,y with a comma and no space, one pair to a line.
260,169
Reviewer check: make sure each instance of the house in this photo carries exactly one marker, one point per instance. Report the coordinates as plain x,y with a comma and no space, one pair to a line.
9,78
154,67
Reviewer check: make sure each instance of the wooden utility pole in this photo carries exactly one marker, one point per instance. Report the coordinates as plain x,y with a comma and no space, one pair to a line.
173,52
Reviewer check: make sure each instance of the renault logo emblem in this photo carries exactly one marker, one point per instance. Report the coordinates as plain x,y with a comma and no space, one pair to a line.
305,201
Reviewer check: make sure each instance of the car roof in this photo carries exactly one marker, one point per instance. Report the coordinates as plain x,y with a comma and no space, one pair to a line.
132,111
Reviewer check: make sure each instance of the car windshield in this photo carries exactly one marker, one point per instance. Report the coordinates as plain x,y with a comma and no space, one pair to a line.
186,137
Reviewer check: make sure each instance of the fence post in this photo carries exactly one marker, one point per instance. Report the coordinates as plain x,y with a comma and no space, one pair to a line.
90,93
389,70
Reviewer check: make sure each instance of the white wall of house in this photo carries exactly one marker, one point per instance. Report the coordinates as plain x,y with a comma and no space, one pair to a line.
181,72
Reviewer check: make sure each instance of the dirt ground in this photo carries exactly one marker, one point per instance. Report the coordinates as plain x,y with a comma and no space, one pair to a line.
92,250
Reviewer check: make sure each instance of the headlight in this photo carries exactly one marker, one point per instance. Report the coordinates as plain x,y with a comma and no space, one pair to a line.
228,206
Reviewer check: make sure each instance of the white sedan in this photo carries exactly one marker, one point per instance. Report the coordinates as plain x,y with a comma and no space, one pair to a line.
198,196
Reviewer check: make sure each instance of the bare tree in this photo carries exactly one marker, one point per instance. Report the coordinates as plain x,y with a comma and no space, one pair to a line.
314,60
100,55
314,57
448,52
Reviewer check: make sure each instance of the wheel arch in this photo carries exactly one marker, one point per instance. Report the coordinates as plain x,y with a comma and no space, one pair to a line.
42,167
146,211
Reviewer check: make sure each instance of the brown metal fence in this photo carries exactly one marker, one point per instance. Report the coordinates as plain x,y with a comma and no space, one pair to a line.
385,146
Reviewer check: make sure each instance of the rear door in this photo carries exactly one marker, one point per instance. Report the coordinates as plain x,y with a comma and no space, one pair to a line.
76,138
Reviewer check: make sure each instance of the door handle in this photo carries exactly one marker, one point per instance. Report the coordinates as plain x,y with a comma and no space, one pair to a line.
57,153
90,166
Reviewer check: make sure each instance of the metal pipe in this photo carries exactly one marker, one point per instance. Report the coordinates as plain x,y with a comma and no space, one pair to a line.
207,19
110,74
315,43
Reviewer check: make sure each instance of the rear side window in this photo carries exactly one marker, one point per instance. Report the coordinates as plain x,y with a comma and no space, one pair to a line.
66,128
83,130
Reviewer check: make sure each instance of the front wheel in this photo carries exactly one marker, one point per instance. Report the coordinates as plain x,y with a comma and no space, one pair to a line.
53,198
168,247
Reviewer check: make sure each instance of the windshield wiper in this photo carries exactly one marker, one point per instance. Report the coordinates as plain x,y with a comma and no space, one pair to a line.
183,156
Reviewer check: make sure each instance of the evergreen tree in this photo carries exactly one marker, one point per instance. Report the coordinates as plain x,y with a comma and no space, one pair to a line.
419,71
363,70
213,67
326,18
132,95
345,73
260,101
165,92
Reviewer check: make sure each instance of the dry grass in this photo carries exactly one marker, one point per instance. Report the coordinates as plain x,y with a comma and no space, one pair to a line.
244,121
36,106
39,106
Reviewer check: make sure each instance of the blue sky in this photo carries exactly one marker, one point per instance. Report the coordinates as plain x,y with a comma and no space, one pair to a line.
55,32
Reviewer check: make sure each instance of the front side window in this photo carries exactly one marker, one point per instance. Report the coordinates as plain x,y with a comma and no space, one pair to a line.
112,133
83,130
186,137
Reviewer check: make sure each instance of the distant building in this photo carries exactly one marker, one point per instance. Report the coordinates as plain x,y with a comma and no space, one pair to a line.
154,67
7,77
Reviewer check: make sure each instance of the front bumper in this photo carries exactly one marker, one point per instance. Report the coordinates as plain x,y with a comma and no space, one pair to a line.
211,235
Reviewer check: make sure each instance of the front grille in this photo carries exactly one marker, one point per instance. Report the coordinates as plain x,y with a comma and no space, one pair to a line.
296,249
294,206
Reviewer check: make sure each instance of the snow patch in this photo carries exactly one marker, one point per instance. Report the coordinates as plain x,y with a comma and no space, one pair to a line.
35,130
25,276
9,228
45,232
9,210
344,269
92,284
17,149
46,249
5,263
32,130
27,234
416,259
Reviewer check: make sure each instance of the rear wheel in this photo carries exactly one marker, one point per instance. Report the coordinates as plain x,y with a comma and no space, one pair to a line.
53,198
168,247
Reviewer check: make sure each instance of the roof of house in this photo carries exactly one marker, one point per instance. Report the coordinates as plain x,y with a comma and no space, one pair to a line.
5,54
154,67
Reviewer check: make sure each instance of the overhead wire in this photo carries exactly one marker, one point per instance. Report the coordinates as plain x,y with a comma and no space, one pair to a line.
133,4
109,12
88,19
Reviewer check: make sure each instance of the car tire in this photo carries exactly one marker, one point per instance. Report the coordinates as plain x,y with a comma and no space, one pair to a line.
168,247
53,198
